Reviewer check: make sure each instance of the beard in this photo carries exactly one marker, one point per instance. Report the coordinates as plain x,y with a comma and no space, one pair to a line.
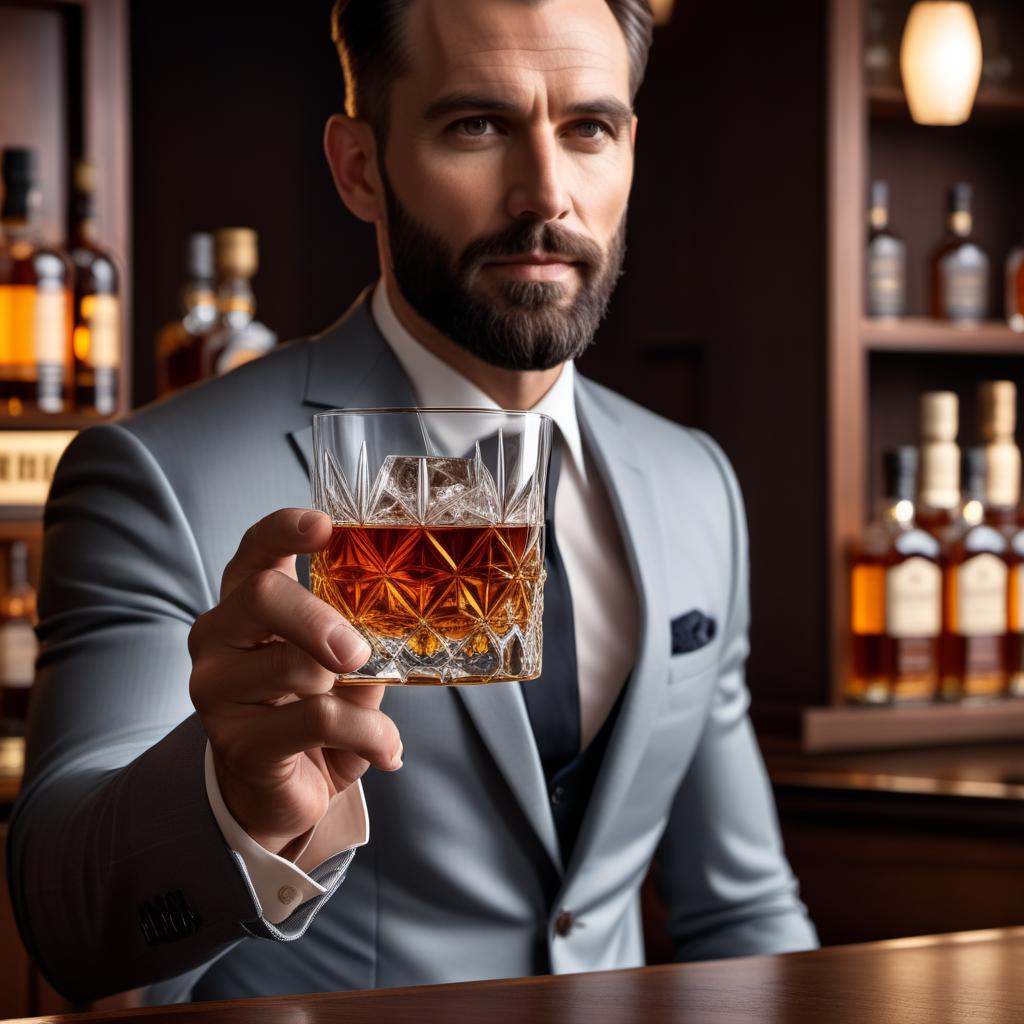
527,325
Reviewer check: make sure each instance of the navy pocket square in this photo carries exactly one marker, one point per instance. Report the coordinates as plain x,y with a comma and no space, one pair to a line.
692,631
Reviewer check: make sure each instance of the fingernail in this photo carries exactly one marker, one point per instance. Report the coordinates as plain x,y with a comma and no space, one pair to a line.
347,645
307,521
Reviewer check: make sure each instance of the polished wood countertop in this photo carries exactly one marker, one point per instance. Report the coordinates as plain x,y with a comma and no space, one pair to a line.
967,978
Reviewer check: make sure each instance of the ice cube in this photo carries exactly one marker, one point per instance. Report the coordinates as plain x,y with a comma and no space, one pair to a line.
433,489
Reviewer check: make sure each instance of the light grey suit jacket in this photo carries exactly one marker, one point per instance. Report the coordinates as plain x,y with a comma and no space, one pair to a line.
462,878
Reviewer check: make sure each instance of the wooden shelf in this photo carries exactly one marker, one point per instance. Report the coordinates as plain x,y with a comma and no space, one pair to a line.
65,421
993,103
831,729
921,334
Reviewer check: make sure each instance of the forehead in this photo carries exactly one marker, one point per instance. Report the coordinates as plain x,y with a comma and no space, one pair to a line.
565,45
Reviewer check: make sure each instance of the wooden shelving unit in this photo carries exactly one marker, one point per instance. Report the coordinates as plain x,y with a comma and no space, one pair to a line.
64,92
877,368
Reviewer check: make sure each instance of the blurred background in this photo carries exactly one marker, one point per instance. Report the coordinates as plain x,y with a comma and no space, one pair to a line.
823,267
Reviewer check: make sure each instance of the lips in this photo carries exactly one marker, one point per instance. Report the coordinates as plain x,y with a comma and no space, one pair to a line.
534,267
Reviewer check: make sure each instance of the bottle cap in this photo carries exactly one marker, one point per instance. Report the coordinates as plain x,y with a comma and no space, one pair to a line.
901,473
997,410
199,256
940,416
237,253
84,177
19,174
960,196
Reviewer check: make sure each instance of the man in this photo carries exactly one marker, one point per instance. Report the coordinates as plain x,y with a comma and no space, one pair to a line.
213,853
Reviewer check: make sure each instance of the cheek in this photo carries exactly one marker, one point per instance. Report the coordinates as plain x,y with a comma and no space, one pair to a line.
600,193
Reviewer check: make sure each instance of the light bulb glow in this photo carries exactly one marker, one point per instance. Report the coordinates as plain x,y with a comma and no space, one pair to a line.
662,10
940,60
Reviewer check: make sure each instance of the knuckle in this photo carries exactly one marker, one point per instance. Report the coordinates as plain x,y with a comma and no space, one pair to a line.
320,716
259,589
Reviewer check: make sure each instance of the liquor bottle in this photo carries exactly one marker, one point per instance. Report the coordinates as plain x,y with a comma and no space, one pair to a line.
17,640
997,408
1015,288
977,561
886,259
179,345
35,299
97,332
939,491
960,267
239,337
896,598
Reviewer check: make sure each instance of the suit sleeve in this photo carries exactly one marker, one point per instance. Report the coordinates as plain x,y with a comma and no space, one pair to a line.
720,868
119,874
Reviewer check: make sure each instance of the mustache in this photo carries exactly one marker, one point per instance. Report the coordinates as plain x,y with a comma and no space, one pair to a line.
530,237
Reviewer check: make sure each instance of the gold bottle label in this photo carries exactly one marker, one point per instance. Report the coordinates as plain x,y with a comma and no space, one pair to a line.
49,326
101,314
913,599
981,601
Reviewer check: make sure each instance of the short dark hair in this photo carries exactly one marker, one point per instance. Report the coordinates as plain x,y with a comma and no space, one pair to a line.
368,34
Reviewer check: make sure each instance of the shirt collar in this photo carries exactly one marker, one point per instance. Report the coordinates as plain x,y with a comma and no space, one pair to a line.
435,383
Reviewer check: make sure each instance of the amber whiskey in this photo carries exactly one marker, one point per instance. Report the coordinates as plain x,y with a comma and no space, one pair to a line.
179,344
35,300
96,341
17,640
938,497
886,260
977,562
426,591
960,268
896,598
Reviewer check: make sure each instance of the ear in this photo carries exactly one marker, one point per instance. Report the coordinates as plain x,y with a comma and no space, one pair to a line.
351,151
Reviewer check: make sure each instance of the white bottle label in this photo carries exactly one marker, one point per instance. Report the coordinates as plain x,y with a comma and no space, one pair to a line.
981,596
18,647
913,599
50,326
102,314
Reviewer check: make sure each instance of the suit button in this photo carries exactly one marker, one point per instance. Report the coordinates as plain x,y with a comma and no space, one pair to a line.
564,923
556,795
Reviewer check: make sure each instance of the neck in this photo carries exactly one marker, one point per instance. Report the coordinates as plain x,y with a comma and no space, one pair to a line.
511,389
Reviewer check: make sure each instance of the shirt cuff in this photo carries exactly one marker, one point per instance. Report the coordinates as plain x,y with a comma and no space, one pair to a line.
281,885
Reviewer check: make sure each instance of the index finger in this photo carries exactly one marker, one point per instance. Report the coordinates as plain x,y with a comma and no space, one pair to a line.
273,543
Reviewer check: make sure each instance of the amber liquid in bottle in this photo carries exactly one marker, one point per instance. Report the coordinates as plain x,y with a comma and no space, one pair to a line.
896,598
17,641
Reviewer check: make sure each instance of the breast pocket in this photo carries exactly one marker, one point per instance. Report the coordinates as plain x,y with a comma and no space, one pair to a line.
704,660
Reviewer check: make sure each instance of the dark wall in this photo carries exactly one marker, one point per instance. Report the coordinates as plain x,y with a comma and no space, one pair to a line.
719,321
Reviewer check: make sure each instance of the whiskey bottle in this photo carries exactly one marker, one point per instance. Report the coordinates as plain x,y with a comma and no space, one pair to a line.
97,332
960,267
886,260
17,640
977,561
239,336
896,598
179,345
997,407
1015,288
35,299
939,492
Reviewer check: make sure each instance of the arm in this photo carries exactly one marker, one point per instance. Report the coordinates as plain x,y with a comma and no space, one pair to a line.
119,873
720,868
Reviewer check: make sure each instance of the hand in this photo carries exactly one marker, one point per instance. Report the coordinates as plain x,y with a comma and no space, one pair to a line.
285,739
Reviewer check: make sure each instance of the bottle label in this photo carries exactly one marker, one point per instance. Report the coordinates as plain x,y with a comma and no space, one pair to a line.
50,327
102,315
940,474
18,648
885,282
913,599
965,286
1002,483
981,596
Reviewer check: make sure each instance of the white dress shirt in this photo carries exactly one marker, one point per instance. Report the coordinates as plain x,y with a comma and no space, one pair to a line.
603,598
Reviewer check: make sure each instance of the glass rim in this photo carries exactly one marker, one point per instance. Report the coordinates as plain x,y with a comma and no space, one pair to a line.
327,413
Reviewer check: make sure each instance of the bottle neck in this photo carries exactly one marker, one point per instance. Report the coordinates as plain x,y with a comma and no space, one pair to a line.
896,512
878,218
961,223
18,569
17,229
236,301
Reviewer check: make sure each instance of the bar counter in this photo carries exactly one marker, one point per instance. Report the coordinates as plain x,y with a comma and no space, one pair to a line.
965,978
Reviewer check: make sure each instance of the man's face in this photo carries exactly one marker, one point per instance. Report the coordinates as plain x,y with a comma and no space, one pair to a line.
507,170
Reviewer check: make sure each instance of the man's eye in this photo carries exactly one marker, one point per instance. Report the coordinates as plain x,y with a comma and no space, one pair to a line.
474,126
592,129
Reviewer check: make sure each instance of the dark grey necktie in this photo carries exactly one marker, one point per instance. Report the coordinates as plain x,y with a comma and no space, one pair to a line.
553,700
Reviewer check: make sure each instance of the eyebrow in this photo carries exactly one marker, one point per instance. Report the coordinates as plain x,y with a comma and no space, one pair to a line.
458,102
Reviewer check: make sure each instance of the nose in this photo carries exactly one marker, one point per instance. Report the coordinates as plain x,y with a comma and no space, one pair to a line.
537,190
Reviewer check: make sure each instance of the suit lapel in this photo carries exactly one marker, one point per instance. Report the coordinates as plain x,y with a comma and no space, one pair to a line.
352,366
628,473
